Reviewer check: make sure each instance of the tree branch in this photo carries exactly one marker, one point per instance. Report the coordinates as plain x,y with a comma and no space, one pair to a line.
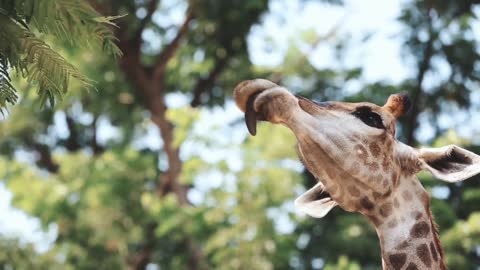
205,84
155,102
141,258
45,159
196,255
418,92
151,86
151,7
96,148
72,143
130,46
171,48
131,65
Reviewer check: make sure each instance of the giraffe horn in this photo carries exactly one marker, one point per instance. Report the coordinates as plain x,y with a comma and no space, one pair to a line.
398,104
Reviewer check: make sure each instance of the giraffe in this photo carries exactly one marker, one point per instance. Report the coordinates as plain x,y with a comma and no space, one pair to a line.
351,150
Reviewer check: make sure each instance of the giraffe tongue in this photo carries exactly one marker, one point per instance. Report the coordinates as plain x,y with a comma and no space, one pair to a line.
251,115
316,202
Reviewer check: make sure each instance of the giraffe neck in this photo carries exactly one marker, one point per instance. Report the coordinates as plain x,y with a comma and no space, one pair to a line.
408,236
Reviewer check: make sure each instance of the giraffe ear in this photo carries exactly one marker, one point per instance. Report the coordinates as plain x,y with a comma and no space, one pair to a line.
450,163
316,202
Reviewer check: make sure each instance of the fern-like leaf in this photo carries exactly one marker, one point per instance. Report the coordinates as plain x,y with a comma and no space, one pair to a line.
7,91
36,61
73,21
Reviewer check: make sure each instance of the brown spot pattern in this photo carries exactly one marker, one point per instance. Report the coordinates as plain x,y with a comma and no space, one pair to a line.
374,149
403,245
388,144
420,230
361,151
372,166
397,260
366,203
434,251
332,188
385,162
353,191
385,183
412,266
331,172
424,254
417,215
386,209
406,195
395,178
377,222
396,203
377,178
392,223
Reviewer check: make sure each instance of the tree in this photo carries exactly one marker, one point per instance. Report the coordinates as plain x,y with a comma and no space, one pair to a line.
151,76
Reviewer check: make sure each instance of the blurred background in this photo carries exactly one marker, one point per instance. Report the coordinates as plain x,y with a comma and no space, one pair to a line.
152,167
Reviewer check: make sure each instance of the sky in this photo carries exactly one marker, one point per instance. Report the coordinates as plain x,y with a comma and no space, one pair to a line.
355,19
380,57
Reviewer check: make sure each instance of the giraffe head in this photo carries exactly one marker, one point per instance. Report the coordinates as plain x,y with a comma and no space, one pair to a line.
350,147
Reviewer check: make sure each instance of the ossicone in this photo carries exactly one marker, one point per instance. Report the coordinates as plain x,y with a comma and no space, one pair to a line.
398,104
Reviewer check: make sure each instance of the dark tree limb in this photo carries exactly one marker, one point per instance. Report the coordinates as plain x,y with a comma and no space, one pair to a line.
142,256
45,159
169,51
149,83
96,148
72,143
417,95
204,85
151,6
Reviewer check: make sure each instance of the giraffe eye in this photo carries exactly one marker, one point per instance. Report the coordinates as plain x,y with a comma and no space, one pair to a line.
368,117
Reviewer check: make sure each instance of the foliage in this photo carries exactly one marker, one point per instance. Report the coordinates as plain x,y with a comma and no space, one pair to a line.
26,52
461,241
23,256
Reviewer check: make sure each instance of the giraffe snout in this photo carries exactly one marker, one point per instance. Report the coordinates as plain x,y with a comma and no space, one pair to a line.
263,100
246,89
245,94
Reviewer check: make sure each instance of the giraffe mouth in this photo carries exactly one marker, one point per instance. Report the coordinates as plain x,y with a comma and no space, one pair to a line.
316,202
321,195
318,194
